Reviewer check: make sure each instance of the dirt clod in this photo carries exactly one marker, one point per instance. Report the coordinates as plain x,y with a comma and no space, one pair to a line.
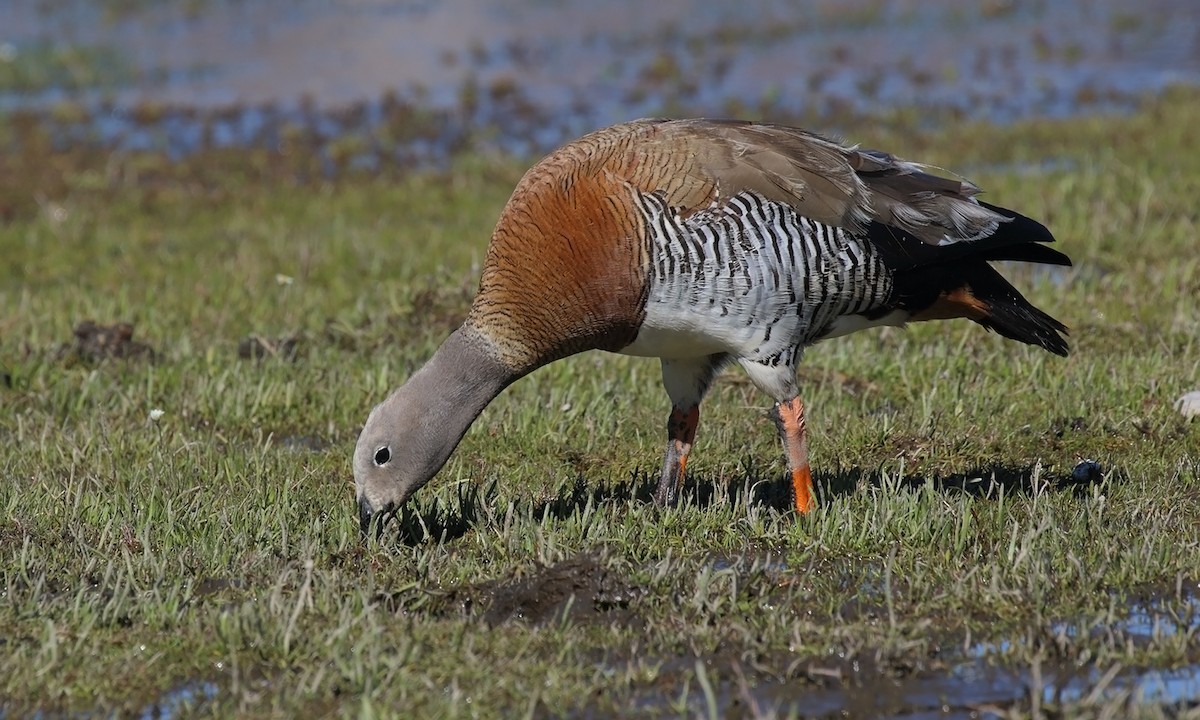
95,343
580,586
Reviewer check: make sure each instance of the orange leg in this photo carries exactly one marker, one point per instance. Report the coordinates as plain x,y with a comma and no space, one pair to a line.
789,418
681,430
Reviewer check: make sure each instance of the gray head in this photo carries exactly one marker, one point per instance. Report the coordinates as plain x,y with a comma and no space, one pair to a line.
396,454
409,436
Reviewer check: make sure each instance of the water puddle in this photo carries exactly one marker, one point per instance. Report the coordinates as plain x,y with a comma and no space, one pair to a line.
979,691
976,683
410,81
980,680
184,700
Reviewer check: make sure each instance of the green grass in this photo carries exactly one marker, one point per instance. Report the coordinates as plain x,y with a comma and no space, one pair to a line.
218,544
36,67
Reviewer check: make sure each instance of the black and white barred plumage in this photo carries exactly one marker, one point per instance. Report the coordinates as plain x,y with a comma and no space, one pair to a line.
750,277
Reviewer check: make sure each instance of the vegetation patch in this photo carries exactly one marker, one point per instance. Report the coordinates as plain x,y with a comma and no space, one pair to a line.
999,532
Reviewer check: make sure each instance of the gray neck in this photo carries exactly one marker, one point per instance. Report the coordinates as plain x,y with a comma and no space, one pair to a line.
449,392
464,374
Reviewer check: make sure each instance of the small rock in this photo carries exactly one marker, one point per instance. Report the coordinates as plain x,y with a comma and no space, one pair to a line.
1088,472
1189,404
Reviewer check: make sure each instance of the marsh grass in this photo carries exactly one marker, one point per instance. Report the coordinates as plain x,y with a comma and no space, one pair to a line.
208,560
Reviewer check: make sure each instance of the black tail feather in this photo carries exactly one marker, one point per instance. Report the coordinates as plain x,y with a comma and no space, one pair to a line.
1026,228
1010,314
1019,238
1029,252
955,280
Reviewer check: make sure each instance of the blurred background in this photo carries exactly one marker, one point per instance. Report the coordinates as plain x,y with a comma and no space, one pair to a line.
411,82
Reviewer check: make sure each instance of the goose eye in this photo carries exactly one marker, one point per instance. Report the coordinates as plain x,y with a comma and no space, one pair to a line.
382,456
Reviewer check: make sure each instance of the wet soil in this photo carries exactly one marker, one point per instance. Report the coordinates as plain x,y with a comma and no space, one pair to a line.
943,677
579,589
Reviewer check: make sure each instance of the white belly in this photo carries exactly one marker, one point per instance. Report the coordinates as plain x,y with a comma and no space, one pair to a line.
752,279
748,327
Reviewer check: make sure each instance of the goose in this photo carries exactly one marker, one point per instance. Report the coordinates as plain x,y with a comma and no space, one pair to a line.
704,243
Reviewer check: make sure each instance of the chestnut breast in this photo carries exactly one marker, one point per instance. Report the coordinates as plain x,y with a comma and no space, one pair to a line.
567,265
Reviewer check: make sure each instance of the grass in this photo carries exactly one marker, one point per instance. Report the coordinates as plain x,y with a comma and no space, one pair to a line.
36,67
208,561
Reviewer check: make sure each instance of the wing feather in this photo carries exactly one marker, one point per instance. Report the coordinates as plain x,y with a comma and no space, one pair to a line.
695,163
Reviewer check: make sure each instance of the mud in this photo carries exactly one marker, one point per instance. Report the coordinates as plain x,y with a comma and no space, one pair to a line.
942,678
579,589
981,690
95,343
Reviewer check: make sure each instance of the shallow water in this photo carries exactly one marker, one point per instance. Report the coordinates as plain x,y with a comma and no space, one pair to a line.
180,701
535,72
1008,58
977,686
